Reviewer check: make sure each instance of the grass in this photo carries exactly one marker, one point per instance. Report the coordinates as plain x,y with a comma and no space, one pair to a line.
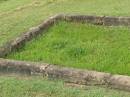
17,16
85,46
39,87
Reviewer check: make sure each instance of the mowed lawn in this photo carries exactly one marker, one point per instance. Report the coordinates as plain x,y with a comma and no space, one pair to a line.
17,16
40,87
84,46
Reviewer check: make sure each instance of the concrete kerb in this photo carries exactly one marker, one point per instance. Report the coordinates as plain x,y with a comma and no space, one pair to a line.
52,71
71,75
35,31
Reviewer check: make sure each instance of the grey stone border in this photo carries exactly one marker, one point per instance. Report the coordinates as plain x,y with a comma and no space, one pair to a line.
77,76
68,74
35,31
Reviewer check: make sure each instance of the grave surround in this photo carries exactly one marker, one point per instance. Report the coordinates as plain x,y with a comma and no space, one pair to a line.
71,75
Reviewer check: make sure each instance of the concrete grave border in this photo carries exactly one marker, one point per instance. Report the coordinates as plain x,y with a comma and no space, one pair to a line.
71,75
68,74
35,31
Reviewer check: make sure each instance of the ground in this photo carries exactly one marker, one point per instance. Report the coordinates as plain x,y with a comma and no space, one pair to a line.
26,86
17,16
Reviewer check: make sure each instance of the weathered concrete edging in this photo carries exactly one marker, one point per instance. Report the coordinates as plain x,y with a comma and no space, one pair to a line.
35,31
52,71
77,76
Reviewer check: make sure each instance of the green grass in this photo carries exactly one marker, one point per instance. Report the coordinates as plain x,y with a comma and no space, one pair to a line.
83,46
17,16
39,87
